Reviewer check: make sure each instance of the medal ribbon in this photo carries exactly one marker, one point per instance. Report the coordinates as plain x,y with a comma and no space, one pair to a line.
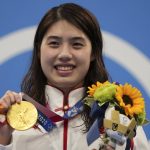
75,110
48,113
47,118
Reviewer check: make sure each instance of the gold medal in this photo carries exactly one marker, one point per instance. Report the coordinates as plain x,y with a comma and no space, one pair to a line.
22,116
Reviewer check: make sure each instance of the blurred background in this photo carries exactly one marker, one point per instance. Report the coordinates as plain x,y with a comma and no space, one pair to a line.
126,32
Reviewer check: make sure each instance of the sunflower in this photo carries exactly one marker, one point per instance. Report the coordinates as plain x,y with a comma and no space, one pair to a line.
130,99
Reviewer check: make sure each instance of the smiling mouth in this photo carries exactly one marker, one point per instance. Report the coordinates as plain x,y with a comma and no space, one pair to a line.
64,68
64,71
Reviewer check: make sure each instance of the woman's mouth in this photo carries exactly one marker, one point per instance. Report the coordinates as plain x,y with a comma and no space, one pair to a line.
64,70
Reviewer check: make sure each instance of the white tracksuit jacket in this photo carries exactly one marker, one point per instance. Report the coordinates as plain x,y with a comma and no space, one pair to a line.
33,139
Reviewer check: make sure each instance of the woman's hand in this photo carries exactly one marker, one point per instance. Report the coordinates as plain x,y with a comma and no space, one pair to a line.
6,101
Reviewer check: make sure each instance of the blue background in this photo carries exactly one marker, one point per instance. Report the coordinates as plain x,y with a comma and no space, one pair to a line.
129,20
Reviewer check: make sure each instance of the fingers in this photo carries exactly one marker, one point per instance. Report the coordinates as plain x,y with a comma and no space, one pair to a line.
8,99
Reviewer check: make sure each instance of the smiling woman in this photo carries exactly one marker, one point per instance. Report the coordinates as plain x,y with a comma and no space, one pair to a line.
67,58
65,51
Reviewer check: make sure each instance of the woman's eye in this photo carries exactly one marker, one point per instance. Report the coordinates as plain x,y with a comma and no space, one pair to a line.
78,45
54,44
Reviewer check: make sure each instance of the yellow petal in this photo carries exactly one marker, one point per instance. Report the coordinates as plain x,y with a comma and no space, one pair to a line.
138,101
127,88
137,110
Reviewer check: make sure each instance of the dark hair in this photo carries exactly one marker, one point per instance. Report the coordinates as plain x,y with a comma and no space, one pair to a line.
35,80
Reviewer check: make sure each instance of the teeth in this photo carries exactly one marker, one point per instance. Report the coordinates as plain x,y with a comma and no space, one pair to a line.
64,68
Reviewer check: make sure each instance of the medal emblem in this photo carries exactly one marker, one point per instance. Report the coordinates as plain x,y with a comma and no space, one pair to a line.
22,116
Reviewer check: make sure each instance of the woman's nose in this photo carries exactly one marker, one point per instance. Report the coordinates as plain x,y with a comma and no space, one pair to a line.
65,53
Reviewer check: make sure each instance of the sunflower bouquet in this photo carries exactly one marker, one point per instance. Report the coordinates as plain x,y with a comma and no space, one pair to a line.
121,101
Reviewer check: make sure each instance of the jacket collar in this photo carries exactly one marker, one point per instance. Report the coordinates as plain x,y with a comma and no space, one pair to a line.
55,98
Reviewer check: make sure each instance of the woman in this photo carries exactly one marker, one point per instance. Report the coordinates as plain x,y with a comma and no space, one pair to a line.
67,58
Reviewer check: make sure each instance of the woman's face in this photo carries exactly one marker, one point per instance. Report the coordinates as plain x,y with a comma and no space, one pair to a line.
65,55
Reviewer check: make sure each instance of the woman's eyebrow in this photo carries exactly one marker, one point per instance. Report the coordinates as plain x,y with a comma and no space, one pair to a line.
74,38
53,37
77,38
